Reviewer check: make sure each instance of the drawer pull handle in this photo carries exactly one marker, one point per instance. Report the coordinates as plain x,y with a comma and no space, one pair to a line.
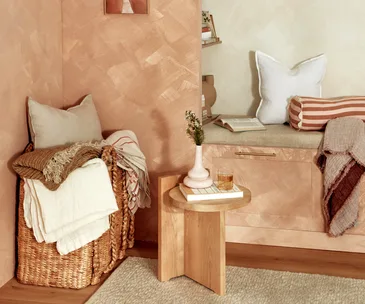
256,154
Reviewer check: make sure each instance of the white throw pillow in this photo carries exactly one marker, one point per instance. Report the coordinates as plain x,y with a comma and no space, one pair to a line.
54,127
278,84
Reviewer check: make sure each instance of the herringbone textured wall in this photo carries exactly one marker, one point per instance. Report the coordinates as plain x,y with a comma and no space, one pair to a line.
31,64
143,72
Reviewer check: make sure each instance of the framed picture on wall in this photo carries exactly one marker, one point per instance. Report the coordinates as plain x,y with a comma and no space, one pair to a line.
126,6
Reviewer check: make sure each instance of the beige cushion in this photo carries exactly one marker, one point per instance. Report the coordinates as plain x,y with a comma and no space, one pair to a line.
282,136
53,127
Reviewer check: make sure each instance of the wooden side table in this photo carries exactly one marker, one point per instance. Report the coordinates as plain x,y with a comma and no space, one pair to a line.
191,236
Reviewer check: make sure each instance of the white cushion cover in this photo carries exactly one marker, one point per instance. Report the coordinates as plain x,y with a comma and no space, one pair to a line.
278,84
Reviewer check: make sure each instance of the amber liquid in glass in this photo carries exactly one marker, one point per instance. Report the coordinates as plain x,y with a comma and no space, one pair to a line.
225,181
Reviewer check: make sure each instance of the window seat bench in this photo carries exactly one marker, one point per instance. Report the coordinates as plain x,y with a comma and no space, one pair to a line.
278,166
282,136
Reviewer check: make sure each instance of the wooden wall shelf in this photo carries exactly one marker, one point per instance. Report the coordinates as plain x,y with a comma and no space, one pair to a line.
211,44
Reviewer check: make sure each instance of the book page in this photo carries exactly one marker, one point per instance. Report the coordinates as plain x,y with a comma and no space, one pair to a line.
214,189
243,123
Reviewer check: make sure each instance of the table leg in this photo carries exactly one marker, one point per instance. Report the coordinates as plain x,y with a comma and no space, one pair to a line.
170,233
205,254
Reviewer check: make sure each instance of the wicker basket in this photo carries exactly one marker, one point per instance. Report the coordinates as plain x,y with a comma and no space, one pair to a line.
41,264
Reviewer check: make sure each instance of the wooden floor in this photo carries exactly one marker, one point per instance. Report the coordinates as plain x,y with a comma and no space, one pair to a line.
252,256
14,292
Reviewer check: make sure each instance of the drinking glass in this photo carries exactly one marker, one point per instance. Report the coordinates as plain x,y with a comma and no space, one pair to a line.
225,179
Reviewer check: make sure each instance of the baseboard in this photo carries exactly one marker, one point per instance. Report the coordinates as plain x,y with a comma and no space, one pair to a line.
333,263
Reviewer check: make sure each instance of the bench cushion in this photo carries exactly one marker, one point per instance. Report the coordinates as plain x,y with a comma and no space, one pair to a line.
282,136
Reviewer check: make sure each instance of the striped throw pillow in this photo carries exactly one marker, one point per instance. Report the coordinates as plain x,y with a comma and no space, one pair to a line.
312,114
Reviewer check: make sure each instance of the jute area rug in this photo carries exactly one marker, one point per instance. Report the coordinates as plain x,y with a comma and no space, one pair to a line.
135,281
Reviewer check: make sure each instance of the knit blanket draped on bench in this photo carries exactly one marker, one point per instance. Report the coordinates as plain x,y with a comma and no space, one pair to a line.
342,160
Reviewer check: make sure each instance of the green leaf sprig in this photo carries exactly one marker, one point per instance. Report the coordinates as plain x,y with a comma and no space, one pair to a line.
194,129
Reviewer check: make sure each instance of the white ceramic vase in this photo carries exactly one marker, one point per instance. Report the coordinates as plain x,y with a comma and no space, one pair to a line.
198,177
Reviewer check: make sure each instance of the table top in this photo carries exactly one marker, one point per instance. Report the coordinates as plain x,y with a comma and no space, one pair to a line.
178,200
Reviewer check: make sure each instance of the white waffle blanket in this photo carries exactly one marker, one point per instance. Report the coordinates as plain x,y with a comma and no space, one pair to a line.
76,213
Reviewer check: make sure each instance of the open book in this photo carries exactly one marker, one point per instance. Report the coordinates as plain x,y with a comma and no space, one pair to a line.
240,124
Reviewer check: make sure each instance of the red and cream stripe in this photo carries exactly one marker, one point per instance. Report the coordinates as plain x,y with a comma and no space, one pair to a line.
311,114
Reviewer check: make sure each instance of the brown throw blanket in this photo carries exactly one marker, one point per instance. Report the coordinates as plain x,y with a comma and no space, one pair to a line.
342,161
52,166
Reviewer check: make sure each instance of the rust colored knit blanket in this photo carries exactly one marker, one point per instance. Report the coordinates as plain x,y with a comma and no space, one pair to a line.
342,160
52,166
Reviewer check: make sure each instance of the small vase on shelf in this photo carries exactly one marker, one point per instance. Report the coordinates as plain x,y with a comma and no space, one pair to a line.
198,177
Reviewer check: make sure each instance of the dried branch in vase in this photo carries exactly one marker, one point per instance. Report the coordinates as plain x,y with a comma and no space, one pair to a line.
195,128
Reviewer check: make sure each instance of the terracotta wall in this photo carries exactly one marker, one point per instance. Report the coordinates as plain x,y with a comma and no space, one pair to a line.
31,64
143,72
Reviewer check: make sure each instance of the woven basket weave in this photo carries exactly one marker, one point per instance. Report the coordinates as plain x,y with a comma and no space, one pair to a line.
41,264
